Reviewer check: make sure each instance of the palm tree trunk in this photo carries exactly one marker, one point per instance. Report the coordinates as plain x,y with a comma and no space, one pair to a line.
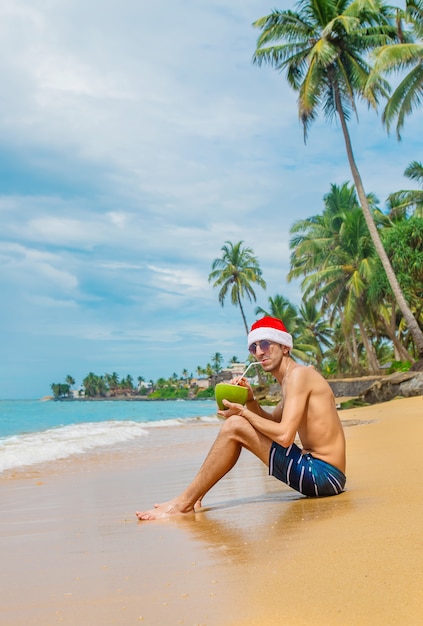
410,320
356,358
400,351
350,348
372,361
243,314
350,353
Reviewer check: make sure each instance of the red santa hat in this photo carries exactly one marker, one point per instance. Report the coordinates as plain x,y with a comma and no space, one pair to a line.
272,329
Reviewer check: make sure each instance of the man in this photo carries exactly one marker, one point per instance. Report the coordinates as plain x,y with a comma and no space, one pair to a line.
307,409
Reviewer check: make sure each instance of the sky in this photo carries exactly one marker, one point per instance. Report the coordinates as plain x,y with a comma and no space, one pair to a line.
136,137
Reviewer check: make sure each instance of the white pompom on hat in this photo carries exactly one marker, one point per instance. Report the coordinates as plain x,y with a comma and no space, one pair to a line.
272,329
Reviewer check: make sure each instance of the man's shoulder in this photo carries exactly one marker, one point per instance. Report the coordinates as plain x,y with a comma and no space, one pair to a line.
308,374
304,370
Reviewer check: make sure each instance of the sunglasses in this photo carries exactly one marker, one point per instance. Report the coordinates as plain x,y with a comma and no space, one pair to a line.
264,345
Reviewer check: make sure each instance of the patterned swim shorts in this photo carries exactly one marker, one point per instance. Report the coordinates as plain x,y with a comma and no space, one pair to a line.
311,477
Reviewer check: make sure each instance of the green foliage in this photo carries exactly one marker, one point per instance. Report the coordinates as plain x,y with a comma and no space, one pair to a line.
399,366
406,54
329,368
95,386
403,242
354,403
169,393
335,254
216,361
408,200
322,46
172,388
235,272
60,390
205,394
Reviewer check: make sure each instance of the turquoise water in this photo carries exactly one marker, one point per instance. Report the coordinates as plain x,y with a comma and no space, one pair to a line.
35,431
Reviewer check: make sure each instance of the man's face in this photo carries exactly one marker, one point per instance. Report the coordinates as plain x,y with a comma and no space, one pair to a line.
268,353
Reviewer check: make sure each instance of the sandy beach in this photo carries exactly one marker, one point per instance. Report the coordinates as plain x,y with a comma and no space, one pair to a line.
73,552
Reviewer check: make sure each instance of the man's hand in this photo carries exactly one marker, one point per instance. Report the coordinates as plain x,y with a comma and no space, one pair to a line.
243,382
233,409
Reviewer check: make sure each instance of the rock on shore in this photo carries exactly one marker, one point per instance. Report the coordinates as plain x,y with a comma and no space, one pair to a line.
403,384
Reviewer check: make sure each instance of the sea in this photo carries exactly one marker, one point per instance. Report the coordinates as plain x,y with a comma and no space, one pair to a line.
38,431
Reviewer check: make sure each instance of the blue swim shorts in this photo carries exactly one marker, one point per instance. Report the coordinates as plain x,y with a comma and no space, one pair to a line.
311,477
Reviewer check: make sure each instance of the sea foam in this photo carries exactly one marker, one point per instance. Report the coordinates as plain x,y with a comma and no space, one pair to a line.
62,442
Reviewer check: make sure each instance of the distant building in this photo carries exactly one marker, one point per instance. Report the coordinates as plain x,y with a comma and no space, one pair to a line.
234,370
77,393
201,383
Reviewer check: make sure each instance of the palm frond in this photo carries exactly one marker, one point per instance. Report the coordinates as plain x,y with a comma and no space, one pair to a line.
406,97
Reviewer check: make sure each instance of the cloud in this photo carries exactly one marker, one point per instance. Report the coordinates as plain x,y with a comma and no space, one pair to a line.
30,266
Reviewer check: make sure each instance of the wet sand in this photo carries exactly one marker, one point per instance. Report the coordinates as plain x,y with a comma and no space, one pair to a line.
72,551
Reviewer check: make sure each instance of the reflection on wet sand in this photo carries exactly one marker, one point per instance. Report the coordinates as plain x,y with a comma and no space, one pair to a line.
240,527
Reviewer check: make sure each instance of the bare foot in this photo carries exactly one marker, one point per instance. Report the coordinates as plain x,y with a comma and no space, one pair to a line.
165,510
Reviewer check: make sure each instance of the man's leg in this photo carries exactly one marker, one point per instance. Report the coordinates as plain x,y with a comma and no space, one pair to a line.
235,434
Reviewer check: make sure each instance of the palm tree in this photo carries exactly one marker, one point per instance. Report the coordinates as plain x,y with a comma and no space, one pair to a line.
321,47
234,272
89,384
404,244
283,309
127,383
70,380
412,198
217,360
112,380
209,370
405,54
335,254
316,330
344,353
201,371
94,385
185,376
60,390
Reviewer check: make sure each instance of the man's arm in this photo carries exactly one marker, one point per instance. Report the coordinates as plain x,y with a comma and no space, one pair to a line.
283,430
264,422
254,406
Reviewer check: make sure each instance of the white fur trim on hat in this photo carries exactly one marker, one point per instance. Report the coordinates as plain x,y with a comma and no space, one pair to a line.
271,334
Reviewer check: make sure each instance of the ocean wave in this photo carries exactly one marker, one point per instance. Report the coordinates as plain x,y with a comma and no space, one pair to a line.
62,442
183,421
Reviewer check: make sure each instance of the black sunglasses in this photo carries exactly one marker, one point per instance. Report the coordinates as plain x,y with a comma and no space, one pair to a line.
263,344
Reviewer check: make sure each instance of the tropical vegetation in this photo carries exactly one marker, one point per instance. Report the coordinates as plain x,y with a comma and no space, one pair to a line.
409,200
324,47
406,53
342,274
174,387
348,322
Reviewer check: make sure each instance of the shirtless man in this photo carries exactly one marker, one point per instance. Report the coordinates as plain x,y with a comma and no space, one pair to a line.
307,409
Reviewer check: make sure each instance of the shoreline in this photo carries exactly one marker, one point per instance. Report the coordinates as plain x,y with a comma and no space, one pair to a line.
125,399
259,554
122,399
